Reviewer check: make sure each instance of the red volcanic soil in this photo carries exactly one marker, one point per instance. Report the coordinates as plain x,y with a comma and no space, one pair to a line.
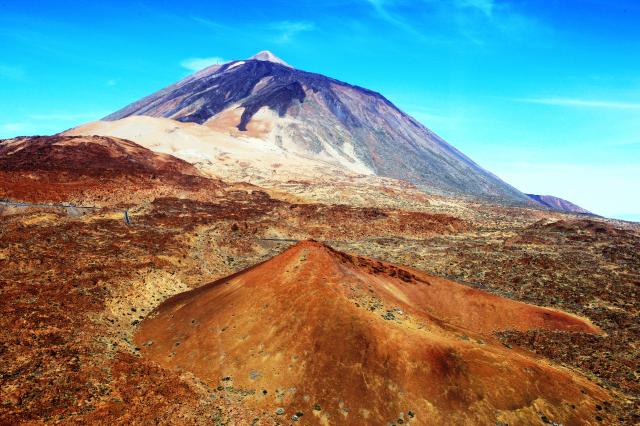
88,168
348,340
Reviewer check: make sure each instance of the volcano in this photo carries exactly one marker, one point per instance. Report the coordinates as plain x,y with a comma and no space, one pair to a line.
332,338
312,116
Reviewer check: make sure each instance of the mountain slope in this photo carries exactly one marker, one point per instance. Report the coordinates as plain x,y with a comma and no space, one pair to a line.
559,204
90,155
320,117
348,340
91,169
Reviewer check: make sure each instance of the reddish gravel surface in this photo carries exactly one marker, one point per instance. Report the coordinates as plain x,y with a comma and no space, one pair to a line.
77,288
91,169
294,331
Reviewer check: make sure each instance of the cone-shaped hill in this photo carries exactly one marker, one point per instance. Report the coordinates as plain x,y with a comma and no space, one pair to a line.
349,340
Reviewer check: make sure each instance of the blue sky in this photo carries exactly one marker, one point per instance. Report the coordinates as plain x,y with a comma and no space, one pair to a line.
546,94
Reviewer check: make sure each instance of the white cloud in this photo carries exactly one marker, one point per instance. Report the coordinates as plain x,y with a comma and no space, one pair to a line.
476,20
112,82
287,30
12,127
380,7
581,103
196,64
47,123
213,24
11,130
280,32
484,6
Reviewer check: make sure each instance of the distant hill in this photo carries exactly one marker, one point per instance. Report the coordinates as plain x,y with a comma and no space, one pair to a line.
559,204
92,169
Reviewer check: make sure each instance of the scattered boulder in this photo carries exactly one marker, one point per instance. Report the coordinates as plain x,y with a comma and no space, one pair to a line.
389,316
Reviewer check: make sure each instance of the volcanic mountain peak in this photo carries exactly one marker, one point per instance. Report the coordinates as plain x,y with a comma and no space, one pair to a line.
265,55
349,340
323,119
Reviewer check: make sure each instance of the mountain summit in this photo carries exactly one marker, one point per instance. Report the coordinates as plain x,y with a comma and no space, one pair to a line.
267,56
317,117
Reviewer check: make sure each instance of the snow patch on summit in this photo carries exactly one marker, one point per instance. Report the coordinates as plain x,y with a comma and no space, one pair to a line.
267,56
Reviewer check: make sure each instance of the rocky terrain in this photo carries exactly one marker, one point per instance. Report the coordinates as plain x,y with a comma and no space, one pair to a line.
92,170
156,271
77,288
